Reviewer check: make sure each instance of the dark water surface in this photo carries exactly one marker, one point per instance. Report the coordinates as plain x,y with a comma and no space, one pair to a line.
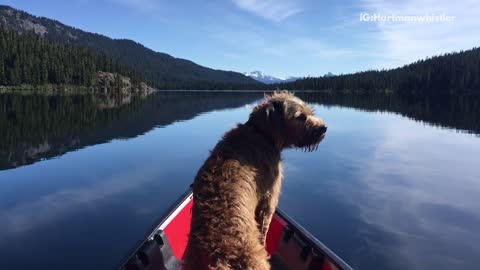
394,185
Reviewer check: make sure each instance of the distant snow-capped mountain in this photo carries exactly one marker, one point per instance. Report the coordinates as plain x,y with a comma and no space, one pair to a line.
329,74
264,78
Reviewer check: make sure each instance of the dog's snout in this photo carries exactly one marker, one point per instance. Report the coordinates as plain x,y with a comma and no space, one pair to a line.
323,129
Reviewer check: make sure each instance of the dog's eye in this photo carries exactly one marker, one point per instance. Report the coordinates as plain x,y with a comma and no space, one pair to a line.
301,116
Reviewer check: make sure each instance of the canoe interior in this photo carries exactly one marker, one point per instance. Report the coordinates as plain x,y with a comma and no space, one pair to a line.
290,246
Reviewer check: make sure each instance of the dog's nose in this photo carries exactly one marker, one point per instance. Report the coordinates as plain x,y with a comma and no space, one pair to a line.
323,129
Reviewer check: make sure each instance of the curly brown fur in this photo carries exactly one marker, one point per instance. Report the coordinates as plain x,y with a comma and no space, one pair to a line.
236,190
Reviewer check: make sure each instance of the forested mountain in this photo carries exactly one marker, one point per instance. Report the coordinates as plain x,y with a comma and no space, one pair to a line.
163,70
30,59
452,72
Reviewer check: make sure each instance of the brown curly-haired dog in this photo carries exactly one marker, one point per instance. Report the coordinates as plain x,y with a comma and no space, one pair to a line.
236,190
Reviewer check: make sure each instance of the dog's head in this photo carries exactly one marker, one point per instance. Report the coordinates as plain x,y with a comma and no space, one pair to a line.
288,121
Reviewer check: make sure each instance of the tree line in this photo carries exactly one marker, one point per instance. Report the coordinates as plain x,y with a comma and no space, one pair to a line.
163,71
30,59
451,72
27,58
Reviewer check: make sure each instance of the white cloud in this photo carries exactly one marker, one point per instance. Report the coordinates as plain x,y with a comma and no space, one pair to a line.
253,41
274,10
417,188
405,42
46,209
271,50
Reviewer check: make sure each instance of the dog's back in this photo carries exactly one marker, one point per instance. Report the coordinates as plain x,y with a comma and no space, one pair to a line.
224,232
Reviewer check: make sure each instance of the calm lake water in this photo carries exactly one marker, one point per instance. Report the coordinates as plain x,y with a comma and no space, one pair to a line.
394,185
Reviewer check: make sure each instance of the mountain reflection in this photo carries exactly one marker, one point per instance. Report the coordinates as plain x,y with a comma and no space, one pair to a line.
461,112
36,127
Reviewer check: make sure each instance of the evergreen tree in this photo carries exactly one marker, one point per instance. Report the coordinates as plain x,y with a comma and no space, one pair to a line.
30,59
2,69
445,73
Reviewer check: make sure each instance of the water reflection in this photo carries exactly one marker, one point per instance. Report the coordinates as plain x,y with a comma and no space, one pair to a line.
389,193
383,191
35,127
461,112
88,208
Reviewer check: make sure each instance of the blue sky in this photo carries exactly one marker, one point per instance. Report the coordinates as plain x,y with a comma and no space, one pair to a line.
278,37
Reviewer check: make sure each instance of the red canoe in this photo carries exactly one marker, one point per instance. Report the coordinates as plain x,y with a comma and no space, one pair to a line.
290,246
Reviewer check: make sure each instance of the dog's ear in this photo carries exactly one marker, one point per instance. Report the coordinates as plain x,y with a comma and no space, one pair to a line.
279,105
268,113
275,111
